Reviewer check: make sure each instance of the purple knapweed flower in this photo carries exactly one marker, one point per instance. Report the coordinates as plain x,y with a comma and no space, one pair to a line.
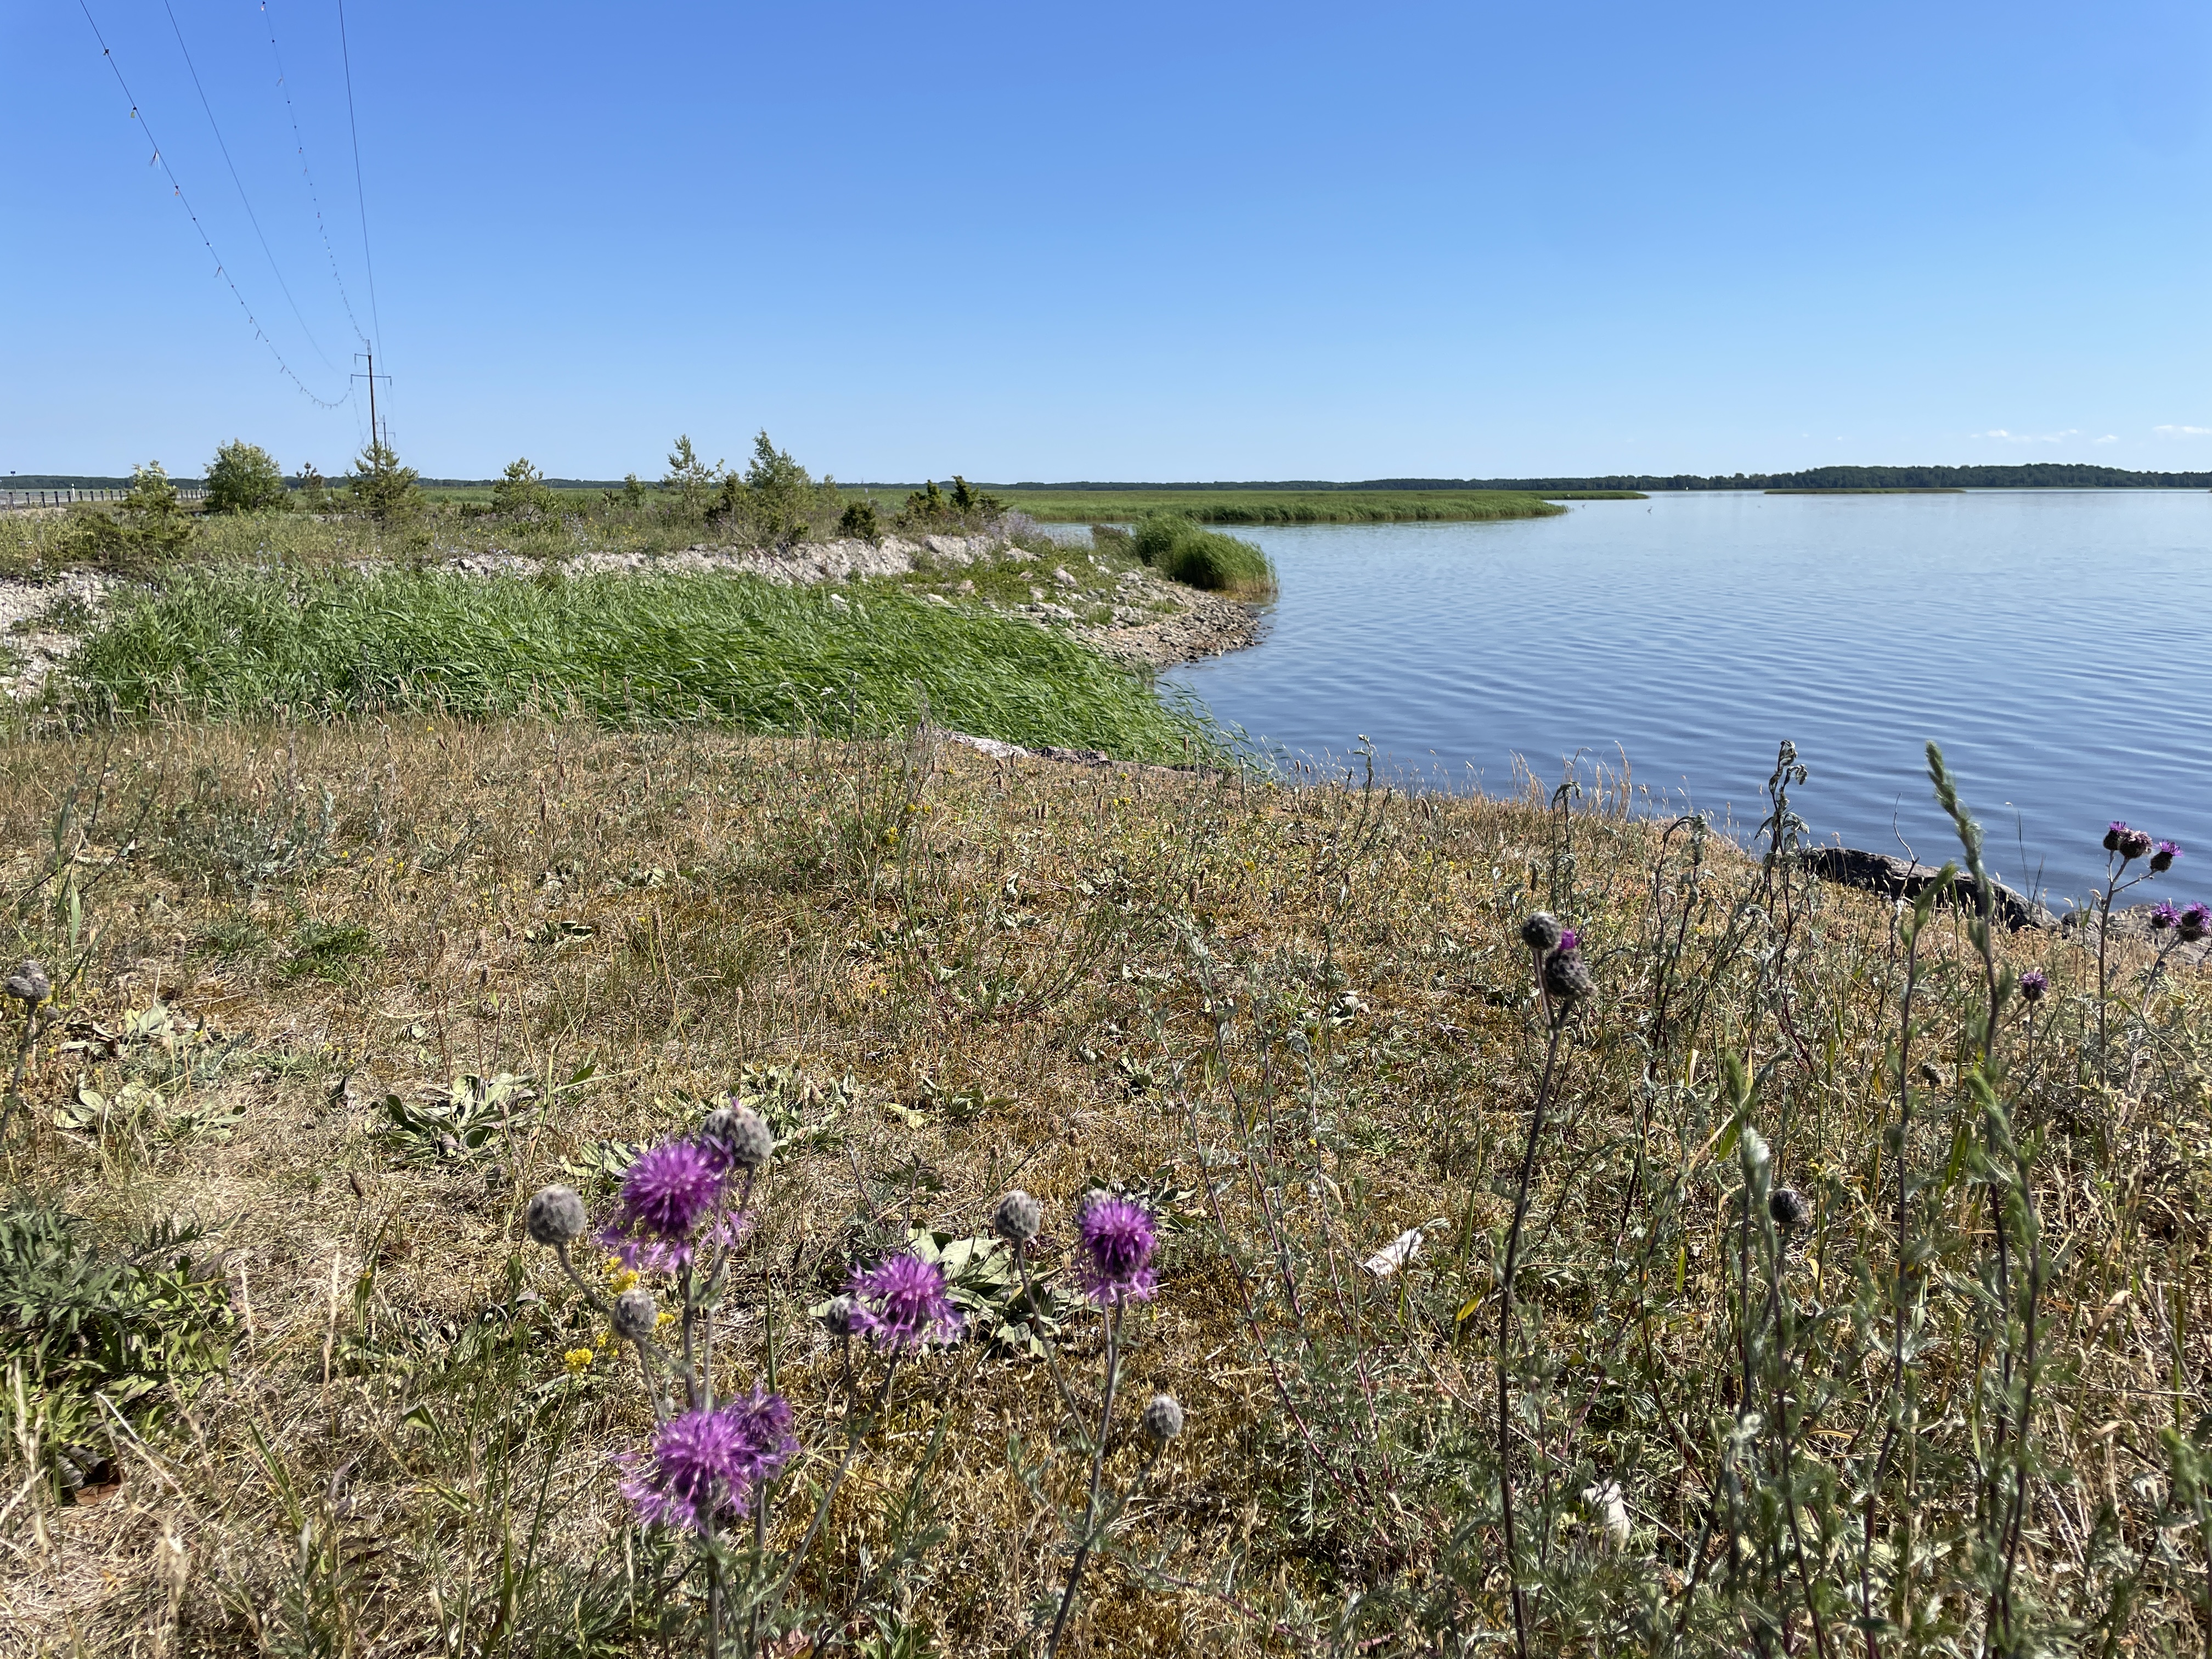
2163,855
1117,1239
2195,922
2134,844
2163,916
2115,832
1569,940
709,1463
2032,984
671,1201
903,1302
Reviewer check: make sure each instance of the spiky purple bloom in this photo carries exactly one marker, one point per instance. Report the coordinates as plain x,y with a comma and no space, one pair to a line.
709,1463
2115,832
903,1302
2032,984
2163,916
2195,922
671,1206
1117,1239
2163,855
1569,940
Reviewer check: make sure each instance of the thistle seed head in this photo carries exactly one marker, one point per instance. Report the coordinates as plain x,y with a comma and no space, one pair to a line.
556,1216
1788,1207
1540,931
739,1133
1018,1219
636,1316
1566,977
29,982
1162,1420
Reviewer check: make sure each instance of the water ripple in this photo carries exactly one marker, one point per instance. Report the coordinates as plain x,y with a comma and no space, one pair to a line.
2048,640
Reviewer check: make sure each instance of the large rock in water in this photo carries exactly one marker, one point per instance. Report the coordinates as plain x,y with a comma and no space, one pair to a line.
1878,873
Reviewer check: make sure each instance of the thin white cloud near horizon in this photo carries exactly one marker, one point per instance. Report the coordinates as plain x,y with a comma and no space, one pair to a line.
2183,431
2029,437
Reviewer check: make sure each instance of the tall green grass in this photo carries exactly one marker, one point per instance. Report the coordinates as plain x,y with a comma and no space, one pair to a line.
632,650
1182,552
1262,507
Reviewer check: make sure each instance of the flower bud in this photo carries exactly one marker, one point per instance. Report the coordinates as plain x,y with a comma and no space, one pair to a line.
837,1316
1788,1207
2033,985
1018,1218
1566,978
2113,831
2195,922
636,1316
1162,1420
2134,843
556,1216
29,982
739,1132
1540,931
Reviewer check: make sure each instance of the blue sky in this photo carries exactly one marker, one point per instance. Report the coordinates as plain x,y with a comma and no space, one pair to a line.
1142,240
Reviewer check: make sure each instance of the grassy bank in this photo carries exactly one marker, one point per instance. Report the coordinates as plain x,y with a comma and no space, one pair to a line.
624,649
349,991
1182,551
1264,506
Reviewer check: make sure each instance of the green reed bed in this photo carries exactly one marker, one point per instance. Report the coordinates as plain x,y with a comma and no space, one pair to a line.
1262,507
626,650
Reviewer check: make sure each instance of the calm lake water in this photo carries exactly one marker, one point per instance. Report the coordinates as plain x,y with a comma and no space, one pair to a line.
2054,643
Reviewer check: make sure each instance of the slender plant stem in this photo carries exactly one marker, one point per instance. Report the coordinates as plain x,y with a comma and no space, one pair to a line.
1097,1469
1506,1328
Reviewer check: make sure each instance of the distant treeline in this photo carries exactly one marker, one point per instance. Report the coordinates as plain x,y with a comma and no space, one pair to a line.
2042,475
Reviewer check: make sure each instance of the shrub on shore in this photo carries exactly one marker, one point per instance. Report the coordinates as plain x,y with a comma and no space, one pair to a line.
1184,551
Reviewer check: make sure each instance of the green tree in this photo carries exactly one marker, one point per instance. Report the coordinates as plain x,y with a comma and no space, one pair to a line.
691,478
521,489
859,518
150,524
244,477
314,489
381,487
633,492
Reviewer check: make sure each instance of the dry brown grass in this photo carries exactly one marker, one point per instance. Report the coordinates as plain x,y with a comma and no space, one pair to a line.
1113,962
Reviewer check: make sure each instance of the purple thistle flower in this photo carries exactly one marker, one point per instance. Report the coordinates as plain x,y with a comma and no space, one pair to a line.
2115,833
903,1301
2134,844
1117,1239
2195,922
1569,940
2163,855
2032,984
2163,916
706,1463
668,1193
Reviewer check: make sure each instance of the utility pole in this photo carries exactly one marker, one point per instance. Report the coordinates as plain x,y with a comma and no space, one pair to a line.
375,430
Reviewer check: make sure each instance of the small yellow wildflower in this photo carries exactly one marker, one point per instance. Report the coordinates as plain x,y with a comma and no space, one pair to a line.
578,1360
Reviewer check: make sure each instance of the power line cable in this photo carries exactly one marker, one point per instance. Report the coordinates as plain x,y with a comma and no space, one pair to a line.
177,187
314,198
243,201
360,196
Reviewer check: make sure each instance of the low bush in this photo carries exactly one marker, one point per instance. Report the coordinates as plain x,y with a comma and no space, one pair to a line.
1180,551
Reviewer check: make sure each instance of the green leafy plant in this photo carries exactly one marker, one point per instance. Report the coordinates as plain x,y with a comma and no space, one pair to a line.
246,846
521,491
381,487
150,527
244,477
1182,551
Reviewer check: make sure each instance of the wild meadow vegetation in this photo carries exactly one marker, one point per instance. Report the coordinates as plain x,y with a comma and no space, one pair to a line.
514,1186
